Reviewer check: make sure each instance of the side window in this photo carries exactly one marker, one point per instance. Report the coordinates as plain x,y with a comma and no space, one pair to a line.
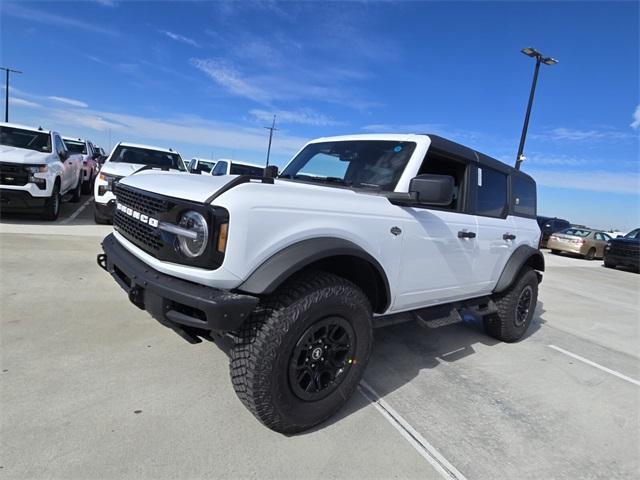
220,168
439,164
491,194
523,196
58,144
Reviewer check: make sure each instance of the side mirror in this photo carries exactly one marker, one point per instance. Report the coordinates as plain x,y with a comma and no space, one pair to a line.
432,189
271,171
63,154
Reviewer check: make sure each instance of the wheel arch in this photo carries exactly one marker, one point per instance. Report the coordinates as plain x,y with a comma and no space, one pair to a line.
522,256
334,255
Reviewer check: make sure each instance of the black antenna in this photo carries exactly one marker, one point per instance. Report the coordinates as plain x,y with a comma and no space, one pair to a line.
6,91
271,129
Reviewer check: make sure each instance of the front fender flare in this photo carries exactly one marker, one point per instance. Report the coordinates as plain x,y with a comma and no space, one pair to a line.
276,269
523,255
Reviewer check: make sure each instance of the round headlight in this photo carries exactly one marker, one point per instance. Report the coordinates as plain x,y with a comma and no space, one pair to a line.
193,247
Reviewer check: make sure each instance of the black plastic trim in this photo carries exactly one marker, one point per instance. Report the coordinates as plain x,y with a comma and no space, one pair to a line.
268,276
521,256
235,182
20,200
174,302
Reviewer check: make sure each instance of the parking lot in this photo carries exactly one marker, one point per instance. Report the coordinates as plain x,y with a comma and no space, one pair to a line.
94,388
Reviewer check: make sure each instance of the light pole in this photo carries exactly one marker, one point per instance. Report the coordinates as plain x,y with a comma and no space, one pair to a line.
6,91
531,52
271,129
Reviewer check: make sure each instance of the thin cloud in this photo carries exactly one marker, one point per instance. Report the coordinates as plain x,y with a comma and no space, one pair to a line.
69,101
39,16
180,38
636,118
23,103
578,135
107,3
607,181
302,117
231,80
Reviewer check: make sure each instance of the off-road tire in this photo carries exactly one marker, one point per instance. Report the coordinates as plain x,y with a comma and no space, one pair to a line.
260,358
52,205
76,195
591,254
609,264
504,324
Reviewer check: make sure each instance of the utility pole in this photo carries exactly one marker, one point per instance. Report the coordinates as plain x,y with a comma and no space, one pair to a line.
271,129
531,52
6,91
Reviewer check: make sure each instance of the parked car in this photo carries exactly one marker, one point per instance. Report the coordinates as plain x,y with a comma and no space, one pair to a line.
36,171
549,225
296,270
236,167
201,165
88,157
623,251
127,159
581,241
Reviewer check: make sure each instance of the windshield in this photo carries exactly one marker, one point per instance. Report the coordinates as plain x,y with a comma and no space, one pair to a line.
75,146
17,137
633,234
375,164
205,166
577,232
145,156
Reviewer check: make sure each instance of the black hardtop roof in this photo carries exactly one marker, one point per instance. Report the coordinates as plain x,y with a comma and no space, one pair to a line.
457,150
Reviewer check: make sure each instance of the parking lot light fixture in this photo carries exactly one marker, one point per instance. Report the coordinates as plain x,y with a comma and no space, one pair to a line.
533,53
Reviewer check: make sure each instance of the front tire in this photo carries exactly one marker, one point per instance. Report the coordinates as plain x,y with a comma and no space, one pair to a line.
52,206
301,354
515,308
77,192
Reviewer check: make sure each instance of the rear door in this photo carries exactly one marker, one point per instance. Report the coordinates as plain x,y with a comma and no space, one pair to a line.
601,239
496,228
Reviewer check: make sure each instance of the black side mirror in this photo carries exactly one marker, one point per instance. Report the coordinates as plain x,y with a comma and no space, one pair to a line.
271,171
432,189
63,154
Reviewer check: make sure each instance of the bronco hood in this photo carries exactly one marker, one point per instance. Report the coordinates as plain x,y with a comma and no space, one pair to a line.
22,155
197,188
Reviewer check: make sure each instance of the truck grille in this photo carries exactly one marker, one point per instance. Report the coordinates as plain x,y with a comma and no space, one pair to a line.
143,203
625,250
13,174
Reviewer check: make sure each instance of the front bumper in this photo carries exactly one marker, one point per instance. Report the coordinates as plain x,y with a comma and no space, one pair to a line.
105,210
190,309
12,200
623,260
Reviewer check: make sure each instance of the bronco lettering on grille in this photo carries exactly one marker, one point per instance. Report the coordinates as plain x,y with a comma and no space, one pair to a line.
137,215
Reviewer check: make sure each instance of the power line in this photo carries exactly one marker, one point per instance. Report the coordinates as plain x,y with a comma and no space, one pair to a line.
271,129
6,91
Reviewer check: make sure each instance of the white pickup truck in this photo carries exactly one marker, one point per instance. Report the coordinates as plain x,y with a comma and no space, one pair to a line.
36,171
88,154
356,232
124,160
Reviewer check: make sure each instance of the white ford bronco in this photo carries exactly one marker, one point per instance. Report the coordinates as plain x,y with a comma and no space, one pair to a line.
293,270
36,171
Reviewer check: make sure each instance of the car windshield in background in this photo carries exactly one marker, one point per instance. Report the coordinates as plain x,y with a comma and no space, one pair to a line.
576,232
17,137
375,164
205,166
633,234
145,156
75,147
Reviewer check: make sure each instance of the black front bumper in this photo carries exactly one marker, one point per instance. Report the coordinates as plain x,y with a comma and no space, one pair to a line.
19,200
192,310
105,210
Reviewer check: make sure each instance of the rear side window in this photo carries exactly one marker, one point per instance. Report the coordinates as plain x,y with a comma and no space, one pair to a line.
491,196
238,169
523,196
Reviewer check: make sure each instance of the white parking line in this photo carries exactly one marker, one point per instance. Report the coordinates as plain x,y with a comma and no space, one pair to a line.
77,212
596,365
416,440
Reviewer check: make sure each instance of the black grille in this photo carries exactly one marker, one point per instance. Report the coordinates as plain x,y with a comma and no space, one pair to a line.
141,234
143,203
624,249
12,174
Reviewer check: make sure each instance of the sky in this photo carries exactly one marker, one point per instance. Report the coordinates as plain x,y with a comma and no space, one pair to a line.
205,78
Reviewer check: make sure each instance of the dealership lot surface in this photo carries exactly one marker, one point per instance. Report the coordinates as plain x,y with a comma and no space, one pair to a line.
92,387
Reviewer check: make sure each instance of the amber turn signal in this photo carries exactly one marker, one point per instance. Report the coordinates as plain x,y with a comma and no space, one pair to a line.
222,237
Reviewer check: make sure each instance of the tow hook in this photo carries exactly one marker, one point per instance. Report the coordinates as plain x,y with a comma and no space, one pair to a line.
102,261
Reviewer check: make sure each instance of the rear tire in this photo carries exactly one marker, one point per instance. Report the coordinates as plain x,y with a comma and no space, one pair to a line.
77,192
516,307
301,354
52,206
86,186
99,219
609,264
591,254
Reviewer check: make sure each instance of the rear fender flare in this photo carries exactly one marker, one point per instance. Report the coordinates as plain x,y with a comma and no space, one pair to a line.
523,255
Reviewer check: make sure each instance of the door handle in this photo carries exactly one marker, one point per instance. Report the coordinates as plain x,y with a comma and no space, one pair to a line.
508,236
466,234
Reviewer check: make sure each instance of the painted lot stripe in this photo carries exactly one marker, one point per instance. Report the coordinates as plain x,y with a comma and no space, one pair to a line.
596,365
417,441
77,212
